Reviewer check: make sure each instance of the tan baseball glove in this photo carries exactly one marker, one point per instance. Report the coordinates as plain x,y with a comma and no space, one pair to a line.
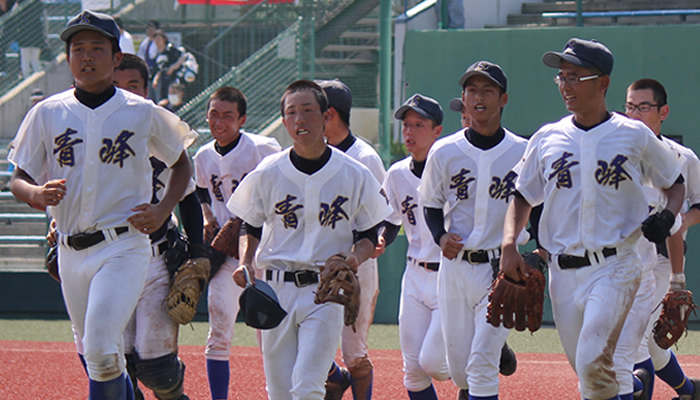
226,241
673,321
339,284
186,287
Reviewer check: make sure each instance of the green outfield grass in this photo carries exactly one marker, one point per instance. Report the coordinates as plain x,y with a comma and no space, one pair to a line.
381,336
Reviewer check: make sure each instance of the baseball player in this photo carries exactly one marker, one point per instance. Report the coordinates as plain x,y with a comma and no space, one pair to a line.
647,101
588,170
64,151
420,332
301,207
469,174
150,339
359,373
220,166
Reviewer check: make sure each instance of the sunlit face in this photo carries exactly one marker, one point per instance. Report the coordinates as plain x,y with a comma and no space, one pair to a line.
418,132
303,118
130,80
585,96
482,99
224,120
91,61
651,118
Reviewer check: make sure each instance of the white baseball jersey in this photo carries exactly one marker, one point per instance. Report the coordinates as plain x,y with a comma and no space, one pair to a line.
591,181
161,176
690,171
324,206
367,156
221,174
64,139
476,185
401,188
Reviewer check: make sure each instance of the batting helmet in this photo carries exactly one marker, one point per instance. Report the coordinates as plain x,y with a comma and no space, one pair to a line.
260,307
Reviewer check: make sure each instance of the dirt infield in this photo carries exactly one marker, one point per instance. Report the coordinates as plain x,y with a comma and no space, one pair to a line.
51,371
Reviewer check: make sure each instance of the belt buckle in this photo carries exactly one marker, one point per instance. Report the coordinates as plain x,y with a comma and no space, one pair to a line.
297,282
77,241
471,253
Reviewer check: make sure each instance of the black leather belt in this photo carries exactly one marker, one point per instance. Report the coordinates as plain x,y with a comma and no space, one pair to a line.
430,266
300,278
476,256
570,262
159,249
81,241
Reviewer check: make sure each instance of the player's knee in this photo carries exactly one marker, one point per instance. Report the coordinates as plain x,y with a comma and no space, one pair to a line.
104,367
164,375
435,367
416,381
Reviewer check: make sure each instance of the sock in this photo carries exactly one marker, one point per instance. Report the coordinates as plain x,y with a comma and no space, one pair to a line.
334,374
673,374
110,390
82,361
647,365
368,391
425,394
128,388
483,397
218,374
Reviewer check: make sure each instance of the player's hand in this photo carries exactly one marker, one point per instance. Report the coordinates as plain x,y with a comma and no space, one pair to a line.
49,194
512,263
210,229
148,218
239,275
451,245
380,248
52,235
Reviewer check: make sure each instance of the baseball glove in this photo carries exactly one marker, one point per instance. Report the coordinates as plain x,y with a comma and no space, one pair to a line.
226,240
339,284
186,287
672,322
519,304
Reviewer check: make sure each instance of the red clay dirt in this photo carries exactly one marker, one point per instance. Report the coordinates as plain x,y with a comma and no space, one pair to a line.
51,371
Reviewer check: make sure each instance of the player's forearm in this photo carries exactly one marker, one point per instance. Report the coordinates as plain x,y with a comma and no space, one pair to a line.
675,246
516,219
675,195
24,188
250,246
177,184
690,218
191,216
363,249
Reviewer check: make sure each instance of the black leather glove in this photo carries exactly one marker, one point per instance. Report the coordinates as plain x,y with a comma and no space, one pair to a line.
657,227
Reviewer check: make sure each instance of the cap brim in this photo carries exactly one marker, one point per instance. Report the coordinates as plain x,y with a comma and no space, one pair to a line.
68,32
465,77
553,59
456,105
402,110
260,306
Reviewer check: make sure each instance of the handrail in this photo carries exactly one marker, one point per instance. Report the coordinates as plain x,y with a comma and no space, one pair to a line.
416,10
233,25
616,14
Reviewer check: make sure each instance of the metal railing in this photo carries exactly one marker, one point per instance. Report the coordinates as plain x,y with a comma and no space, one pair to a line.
614,15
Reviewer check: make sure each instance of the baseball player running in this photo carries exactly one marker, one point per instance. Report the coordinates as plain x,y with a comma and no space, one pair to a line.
469,173
647,101
220,166
301,207
588,170
150,339
359,372
64,150
420,332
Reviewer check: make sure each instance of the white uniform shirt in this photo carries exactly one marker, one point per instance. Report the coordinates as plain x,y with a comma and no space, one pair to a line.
367,156
401,188
591,181
103,154
476,185
221,175
690,171
308,218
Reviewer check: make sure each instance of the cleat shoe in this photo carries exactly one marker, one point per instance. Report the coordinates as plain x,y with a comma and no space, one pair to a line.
508,363
334,391
695,395
463,394
643,376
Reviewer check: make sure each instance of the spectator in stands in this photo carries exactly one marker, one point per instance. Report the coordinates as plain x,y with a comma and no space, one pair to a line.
5,7
148,51
170,59
454,14
126,42
176,97
30,41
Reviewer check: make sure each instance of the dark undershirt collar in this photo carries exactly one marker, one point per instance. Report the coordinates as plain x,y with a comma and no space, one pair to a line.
417,167
94,100
223,150
484,142
588,128
346,143
309,167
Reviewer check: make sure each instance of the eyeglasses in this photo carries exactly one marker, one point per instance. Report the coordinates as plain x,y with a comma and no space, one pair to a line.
573,80
643,107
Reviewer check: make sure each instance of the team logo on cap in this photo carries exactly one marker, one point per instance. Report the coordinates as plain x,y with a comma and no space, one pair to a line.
84,18
407,207
64,148
461,182
287,209
612,174
481,67
562,170
332,213
414,101
502,188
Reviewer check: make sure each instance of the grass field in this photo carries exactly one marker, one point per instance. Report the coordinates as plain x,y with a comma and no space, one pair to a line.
384,337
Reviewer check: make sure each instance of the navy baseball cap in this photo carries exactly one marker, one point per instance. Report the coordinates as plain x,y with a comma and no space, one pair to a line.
339,95
425,106
487,69
583,53
260,306
456,105
93,21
